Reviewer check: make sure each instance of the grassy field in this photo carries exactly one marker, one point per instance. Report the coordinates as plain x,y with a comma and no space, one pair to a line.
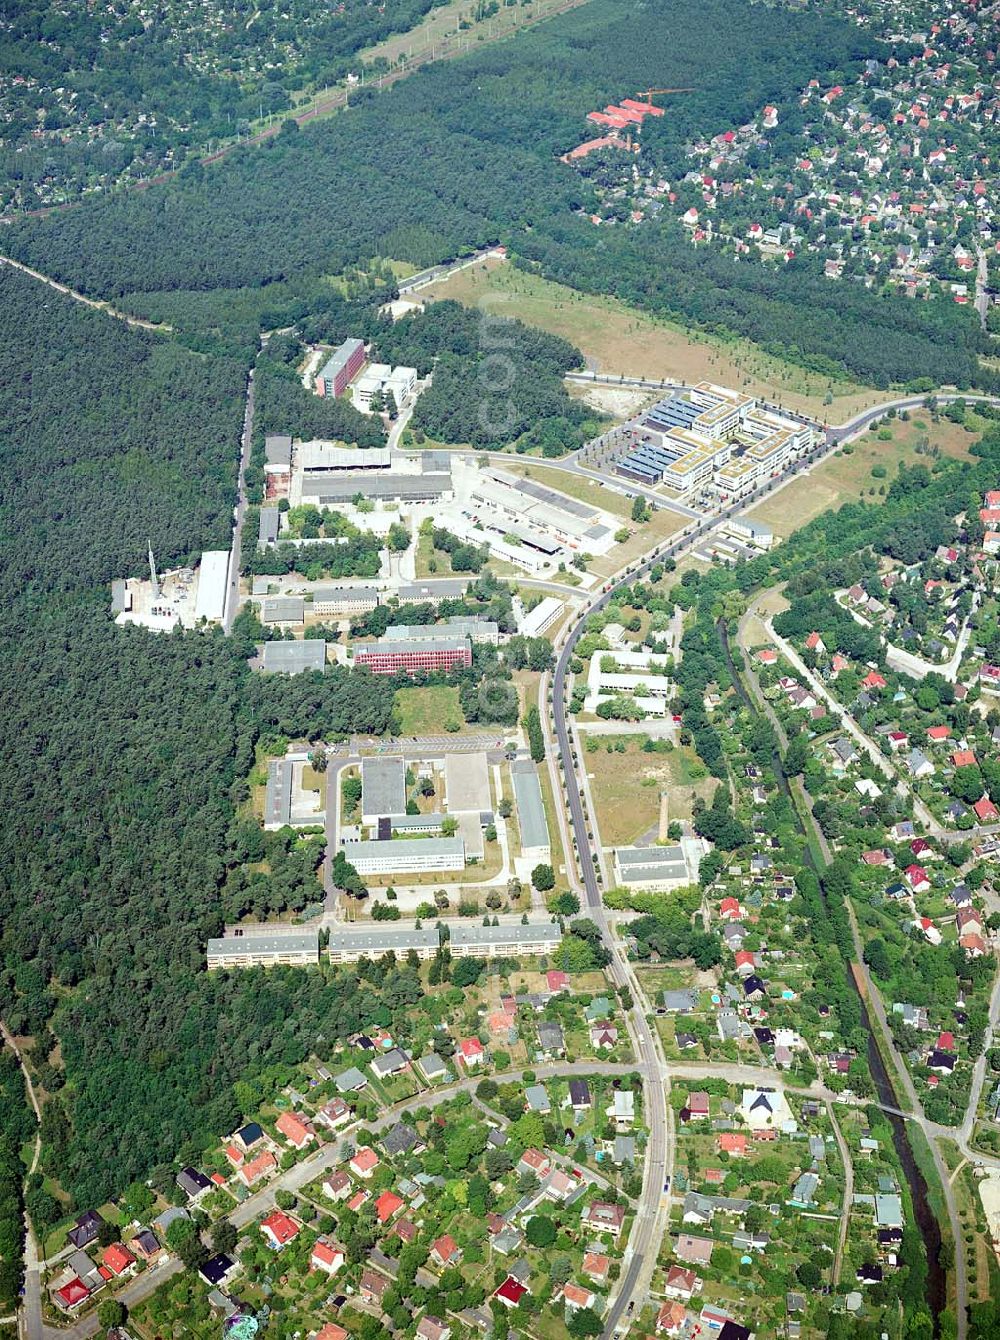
424,711
846,477
617,338
626,787
428,561
647,536
440,29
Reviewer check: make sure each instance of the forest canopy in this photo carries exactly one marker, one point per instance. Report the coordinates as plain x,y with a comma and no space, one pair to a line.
457,157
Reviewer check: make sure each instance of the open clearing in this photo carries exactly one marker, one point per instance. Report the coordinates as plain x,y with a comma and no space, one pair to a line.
591,491
845,477
626,787
425,711
621,340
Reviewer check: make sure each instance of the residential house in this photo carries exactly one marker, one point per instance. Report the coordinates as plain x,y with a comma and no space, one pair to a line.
257,1168
364,1162
445,1250
604,1218
575,1296
297,1133
695,1251
579,1095
680,1283
279,1229
327,1256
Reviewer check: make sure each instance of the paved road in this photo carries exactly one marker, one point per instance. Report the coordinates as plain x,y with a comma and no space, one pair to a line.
233,589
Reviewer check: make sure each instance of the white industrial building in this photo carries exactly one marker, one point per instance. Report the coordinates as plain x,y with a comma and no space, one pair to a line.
342,602
540,619
213,579
401,856
380,378
655,868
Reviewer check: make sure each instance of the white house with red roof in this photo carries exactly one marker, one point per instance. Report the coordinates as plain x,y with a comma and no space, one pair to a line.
471,1052
279,1229
916,877
364,1162
327,1256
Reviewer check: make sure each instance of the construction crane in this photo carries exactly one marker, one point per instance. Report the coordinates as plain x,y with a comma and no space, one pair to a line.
655,92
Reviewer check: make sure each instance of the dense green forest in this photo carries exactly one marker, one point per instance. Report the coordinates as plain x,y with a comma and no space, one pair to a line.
453,158
495,381
92,95
126,755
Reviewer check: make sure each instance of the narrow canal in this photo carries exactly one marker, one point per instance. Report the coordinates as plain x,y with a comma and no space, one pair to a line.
930,1229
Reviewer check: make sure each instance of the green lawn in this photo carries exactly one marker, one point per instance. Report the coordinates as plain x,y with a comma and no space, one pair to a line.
424,711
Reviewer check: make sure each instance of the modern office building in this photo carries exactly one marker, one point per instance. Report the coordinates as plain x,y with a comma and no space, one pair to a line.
340,368
408,658
263,946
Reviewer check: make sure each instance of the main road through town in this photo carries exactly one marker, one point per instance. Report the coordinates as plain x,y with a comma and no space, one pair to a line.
232,599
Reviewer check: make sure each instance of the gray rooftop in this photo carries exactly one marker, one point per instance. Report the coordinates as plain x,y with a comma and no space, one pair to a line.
278,449
342,487
469,626
268,528
472,933
371,941
383,786
441,590
282,609
432,846
339,358
292,658
530,809
278,793
629,857
283,942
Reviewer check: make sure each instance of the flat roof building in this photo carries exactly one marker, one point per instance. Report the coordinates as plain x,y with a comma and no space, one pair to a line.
477,630
278,449
471,940
348,944
278,794
402,856
263,946
338,601
213,575
292,658
383,788
325,488
530,810
282,609
542,617
467,783
651,867
267,532
416,593
408,658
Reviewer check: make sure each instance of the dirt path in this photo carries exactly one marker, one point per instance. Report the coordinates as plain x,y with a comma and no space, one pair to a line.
97,305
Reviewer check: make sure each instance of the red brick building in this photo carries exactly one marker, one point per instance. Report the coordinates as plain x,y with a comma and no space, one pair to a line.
408,658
